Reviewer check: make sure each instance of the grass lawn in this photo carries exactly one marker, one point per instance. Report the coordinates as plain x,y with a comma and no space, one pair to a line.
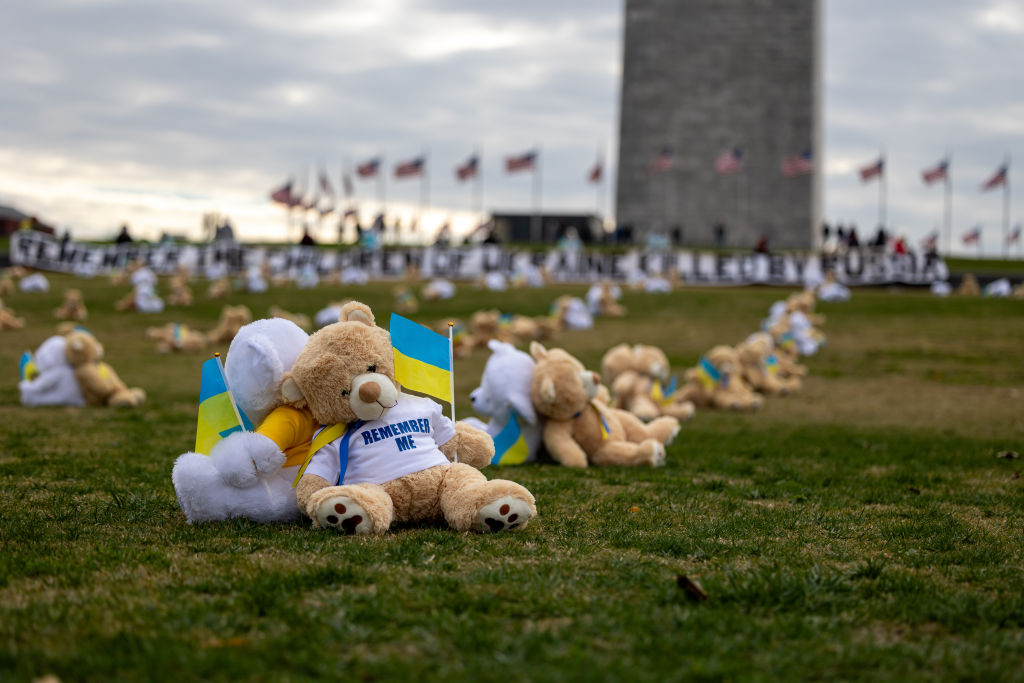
863,529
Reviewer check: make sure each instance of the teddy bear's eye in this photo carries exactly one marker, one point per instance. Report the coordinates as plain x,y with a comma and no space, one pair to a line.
344,392
372,368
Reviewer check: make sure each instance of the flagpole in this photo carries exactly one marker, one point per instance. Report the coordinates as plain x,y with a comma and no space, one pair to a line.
949,206
883,181
536,228
479,190
424,190
1006,211
451,376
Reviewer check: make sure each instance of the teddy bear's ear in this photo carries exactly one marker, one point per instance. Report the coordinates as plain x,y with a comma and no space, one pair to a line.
290,390
547,391
77,344
356,312
499,346
538,351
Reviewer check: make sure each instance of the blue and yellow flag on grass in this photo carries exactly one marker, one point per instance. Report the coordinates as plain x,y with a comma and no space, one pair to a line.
27,366
423,360
509,445
218,414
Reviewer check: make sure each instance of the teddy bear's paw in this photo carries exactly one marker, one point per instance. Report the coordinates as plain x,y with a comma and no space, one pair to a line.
344,515
505,514
654,452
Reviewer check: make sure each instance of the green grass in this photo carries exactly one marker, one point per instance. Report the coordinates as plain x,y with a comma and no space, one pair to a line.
863,529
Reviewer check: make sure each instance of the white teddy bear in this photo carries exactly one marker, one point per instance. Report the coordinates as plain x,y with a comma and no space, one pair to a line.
504,387
36,282
250,474
55,384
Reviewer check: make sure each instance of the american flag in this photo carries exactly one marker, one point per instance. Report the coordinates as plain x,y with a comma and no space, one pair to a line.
368,169
596,172
1014,235
930,241
523,162
729,162
939,171
662,162
408,169
973,235
798,164
998,178
283,194
872,170
468,169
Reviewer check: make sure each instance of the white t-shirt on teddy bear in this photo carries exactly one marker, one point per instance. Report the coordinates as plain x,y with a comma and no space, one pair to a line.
404,441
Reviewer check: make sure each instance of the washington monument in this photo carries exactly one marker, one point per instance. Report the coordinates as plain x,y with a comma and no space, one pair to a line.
716,96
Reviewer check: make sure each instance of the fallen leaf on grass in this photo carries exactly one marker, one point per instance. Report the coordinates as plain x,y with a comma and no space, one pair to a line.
634,509
693,590
226,642
1008,455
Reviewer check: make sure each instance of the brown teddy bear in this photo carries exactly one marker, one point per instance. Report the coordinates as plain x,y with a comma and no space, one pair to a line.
219,288
483,327
581,430
300,319
231,320
8,320
99,383
176,337
396,447
6,284
181,293
639,380
786,348
761,367
969,286
73,307
717,382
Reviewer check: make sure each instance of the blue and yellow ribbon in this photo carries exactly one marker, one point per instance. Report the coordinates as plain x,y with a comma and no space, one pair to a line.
707,374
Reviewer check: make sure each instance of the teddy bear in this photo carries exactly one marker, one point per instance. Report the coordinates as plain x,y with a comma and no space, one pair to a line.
405,300
786,349
176,337
505,389
517,329
603,299
99,383
300,319
54,382
581,430
251,474
255,282
761,368
8,320
73,307
219,288
181,293
572,313
717,382
639,381
231,320
6,284
403,460
484,325
438,288
36,282
969,286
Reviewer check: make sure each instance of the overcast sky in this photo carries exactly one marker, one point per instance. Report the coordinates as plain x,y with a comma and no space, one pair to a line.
154,112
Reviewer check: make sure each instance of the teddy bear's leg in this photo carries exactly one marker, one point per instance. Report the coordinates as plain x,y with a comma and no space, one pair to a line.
469,502
680,410
644,408
662,429
353,509
126,397
649,452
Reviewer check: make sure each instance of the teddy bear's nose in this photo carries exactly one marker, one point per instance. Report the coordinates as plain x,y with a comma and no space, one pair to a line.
369,392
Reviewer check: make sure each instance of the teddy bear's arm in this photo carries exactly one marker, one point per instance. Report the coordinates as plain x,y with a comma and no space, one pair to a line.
474,447
94,386
308,485
561,445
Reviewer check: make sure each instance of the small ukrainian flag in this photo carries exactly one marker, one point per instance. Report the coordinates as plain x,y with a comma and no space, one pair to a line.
509,446
663,395
708,374
218,414
771,363
27,366
423,359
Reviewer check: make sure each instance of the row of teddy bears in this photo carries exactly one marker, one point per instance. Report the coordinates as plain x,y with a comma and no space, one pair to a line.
332,419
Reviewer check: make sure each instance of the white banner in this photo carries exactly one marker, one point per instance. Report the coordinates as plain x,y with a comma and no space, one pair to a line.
854,267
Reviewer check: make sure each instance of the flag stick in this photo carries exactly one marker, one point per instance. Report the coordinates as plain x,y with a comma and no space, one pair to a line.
1006,212
948,227
451,375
